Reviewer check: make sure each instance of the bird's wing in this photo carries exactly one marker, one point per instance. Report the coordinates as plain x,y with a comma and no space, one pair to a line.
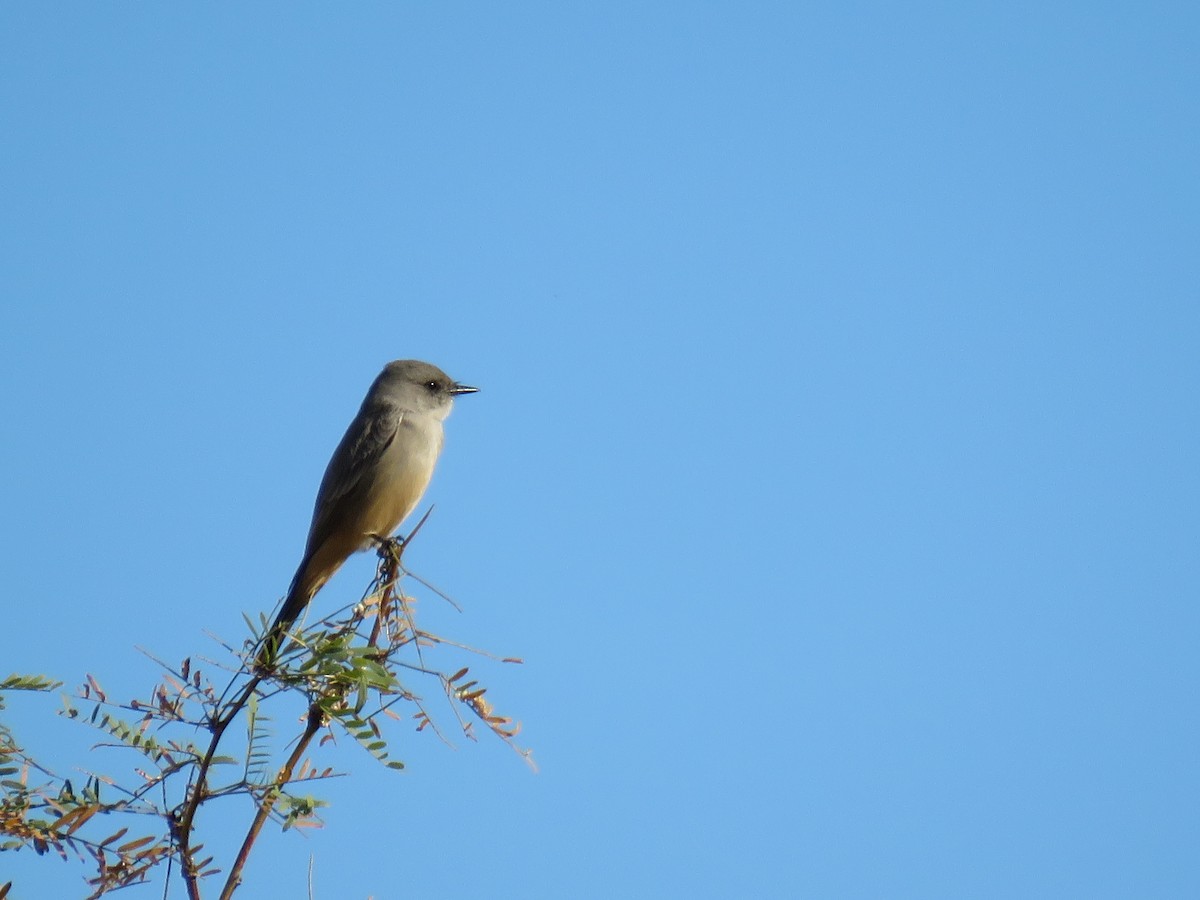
351,469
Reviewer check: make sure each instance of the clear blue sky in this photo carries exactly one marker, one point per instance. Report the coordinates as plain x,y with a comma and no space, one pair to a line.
835,470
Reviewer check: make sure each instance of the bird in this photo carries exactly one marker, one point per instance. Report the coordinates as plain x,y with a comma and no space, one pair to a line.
374,480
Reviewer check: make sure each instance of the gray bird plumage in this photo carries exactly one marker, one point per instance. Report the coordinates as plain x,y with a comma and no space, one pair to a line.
375,477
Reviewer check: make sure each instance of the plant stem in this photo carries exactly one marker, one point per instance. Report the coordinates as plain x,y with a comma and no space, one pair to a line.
182,824
316,718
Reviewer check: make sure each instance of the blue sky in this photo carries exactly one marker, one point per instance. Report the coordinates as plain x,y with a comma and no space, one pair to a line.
834,470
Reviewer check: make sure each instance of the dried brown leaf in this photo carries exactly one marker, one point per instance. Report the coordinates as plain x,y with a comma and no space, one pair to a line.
95,685
133,845
117,836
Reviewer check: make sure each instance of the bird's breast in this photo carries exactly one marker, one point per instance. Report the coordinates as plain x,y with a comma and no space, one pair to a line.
403,474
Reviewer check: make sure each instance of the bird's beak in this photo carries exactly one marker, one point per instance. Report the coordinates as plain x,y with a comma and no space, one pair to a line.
457,389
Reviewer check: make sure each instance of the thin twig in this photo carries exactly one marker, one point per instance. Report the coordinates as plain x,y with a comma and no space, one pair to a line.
316,718
182,823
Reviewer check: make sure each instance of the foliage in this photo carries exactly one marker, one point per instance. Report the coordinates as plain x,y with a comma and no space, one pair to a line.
347,669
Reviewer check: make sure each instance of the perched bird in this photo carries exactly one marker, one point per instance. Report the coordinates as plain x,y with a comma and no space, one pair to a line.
374,479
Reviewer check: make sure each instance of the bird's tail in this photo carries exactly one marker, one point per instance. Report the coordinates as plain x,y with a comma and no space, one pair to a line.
298,597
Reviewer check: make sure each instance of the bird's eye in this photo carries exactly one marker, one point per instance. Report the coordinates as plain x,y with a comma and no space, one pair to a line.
432,385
